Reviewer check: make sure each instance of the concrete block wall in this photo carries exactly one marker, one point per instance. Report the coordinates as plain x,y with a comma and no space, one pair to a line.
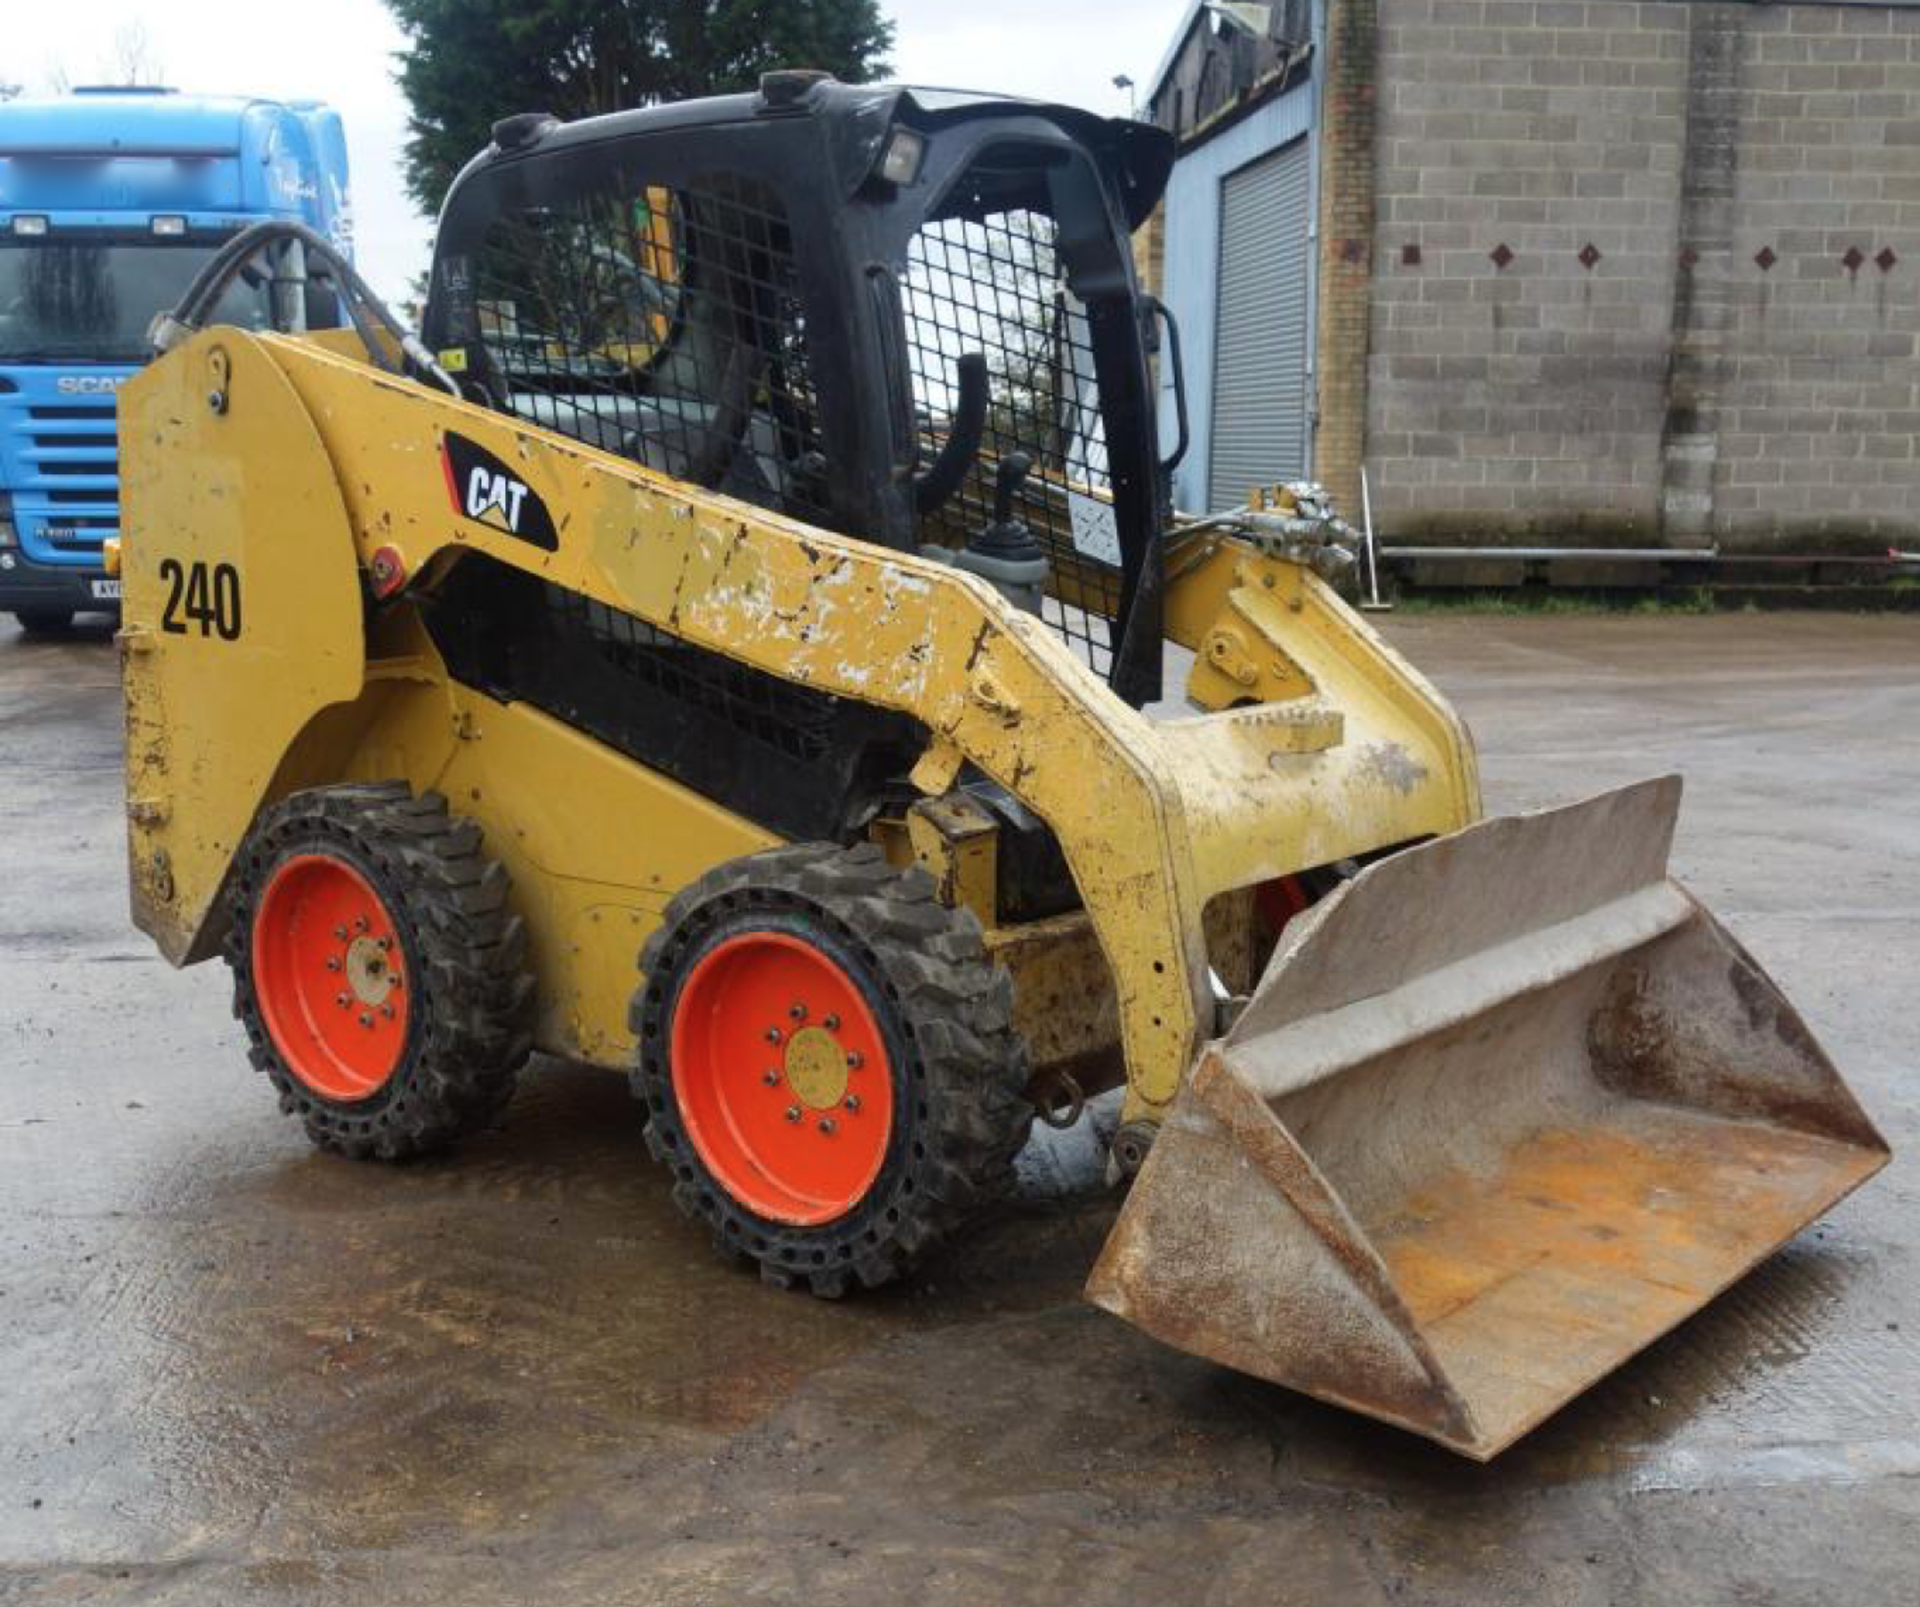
1612,299
1820,416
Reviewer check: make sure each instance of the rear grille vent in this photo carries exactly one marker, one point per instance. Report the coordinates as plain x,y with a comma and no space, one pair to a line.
806,764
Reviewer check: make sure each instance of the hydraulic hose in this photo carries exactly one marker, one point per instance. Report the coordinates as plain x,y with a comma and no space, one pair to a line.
364,308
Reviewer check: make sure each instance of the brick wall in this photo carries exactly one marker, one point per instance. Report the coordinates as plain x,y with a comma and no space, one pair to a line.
1613,296
1348,115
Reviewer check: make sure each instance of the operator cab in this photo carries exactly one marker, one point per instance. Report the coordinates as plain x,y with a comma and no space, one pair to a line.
905,315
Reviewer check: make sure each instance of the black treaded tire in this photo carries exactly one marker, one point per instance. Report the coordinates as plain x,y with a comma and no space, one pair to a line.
959,1068
468,1028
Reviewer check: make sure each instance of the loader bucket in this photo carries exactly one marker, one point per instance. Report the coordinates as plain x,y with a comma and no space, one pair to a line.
1503,1110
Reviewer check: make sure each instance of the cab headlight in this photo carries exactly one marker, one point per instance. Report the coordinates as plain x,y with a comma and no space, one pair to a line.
900,160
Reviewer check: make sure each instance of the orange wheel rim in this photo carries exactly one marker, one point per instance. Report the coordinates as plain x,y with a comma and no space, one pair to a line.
782,1078
328,973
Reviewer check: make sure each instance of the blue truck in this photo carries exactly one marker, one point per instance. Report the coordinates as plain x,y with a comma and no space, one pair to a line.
110,202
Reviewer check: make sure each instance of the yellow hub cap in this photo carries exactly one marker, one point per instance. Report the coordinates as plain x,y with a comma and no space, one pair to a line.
369,972
816,1068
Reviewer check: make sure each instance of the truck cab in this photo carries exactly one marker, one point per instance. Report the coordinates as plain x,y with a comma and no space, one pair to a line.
110,202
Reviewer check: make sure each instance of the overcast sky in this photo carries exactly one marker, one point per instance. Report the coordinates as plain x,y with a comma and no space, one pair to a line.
342,52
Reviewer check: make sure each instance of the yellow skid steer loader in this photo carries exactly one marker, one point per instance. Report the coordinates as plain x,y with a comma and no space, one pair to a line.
716,649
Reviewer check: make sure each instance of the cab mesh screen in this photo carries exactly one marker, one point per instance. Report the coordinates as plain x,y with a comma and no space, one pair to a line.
994,286
664,325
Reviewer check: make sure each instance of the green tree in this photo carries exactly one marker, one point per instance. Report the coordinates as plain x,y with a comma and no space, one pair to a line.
471,62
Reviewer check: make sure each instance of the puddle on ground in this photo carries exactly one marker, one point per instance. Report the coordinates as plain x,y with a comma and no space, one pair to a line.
348,1348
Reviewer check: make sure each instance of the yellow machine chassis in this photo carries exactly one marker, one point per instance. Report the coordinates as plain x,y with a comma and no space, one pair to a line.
1502,1108
1336,746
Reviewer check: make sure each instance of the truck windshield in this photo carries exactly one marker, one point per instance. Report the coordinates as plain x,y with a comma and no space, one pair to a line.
92,300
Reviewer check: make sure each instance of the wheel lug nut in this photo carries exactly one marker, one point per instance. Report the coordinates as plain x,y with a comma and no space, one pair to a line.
387,1011
831,1023
853,1102
343,1000
827,1125
366,1020
797,1010
341,933
793,1113
770,1077
773,1035
359,923
855,1060
333,962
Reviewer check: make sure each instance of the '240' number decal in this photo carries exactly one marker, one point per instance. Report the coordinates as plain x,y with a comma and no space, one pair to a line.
209,598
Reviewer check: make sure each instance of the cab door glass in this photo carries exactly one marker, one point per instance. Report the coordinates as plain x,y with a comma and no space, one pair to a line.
662,324
989,279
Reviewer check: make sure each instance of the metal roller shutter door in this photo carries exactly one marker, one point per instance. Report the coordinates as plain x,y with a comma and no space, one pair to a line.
1259,428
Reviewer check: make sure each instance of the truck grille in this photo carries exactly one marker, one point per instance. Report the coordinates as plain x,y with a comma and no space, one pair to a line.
74,446
80,533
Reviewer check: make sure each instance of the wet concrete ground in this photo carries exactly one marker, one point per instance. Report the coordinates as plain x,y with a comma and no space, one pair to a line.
231,1369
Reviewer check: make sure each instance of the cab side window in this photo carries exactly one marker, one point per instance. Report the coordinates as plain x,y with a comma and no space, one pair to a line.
661,324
